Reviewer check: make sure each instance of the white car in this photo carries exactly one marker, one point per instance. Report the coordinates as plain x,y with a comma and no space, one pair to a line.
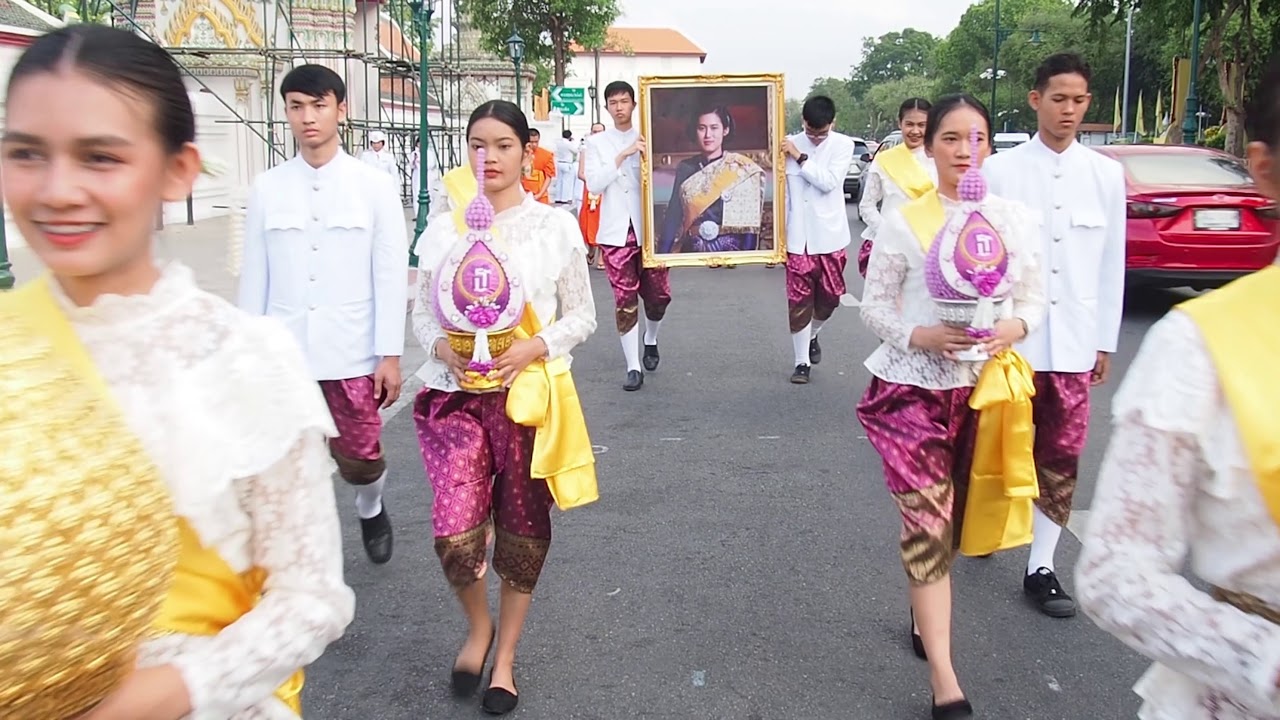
853,179
1007,140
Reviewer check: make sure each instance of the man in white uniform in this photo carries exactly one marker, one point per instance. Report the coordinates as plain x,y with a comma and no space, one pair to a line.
817,228
613,172
1081,197
566,168
326,252
379,156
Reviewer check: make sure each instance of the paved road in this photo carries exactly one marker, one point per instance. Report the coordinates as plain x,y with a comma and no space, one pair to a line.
742,562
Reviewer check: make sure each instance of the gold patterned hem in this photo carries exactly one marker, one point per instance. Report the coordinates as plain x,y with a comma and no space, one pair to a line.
462,556
518,560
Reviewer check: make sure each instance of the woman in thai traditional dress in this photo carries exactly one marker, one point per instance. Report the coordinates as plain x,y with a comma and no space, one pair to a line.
897,176
1191,481
589,212
956,249
717,200
172,546
489,282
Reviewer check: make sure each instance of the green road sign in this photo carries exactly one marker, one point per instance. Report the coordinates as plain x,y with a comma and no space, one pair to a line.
569,100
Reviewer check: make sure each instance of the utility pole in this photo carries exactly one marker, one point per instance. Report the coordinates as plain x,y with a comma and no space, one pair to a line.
1190,118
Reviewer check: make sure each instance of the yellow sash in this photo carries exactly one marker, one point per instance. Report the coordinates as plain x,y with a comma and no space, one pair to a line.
1244,342
91,546
905,171
207,596
1002,481
724,175
926,217
543,396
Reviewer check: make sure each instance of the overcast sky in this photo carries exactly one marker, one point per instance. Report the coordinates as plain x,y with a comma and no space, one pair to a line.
805,39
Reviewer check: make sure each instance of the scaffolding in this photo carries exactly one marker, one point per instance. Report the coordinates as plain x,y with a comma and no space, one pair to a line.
377,60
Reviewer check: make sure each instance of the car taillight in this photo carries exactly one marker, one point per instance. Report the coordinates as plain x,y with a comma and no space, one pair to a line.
1269,212
1152,210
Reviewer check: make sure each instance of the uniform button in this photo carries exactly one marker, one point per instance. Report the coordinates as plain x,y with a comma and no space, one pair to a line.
316,186
315,246
1055,272
313,307
313,277
1057,238
1058,206
1053,301
317,217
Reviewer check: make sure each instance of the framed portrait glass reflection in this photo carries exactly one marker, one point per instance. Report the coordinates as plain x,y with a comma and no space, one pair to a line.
712,181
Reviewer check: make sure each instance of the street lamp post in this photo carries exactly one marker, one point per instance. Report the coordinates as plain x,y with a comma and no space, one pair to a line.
595,107
6,274
422,12
995,62
1193,99
515,47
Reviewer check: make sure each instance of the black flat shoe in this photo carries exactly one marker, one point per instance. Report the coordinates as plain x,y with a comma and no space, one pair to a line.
464,682
917,645
635,381
651,357
498,701
815,351
375,532
801,375
953,710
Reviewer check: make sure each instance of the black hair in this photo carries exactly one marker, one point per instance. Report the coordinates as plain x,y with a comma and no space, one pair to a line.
505,112
1262,112
314,81
719,111
619,87
1062,64
819,111
534,133
949,104
124,60
913,104
567,134
597,124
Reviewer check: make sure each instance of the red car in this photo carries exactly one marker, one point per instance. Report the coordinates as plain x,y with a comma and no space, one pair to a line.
1195,218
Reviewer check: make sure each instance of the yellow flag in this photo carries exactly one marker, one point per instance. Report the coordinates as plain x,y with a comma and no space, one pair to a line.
1159,111
1116,115
1140,127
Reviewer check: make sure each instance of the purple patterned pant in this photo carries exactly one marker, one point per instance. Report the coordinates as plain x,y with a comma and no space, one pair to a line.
1061,414
632,282
925,439
814,286
358,448
477,461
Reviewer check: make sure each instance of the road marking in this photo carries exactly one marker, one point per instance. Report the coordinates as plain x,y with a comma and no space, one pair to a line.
769,437
670,439
599,449
1077,523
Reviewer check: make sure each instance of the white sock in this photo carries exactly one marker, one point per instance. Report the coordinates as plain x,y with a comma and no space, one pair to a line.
369,498
631,348
817,327
1045,541
800,341
651,331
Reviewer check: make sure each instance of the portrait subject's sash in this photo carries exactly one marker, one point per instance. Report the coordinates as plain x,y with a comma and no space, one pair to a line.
900,164
1244,344
91,543
712,182
926,217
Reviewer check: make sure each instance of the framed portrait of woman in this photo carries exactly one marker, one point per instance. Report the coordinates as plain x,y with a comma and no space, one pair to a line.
712,181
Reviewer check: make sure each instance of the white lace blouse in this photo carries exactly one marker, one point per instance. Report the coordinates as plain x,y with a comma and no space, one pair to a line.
224,405
881,196
895,299
546,251
1175,484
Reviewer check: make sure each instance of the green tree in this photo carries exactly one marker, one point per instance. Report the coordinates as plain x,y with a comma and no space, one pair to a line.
893,56
548,27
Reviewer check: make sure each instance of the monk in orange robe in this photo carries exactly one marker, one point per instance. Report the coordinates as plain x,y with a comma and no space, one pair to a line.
541,170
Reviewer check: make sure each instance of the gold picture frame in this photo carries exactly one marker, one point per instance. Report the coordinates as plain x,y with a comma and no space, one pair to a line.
672,100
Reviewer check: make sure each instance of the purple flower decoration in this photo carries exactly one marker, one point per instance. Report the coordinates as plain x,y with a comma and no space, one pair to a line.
980,333
484,368
483,315
973,188
479,213
986,280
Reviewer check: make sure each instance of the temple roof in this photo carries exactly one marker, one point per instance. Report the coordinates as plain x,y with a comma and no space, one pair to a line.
647,41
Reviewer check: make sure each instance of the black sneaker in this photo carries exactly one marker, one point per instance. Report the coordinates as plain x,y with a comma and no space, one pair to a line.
801,375
1043,589
815,351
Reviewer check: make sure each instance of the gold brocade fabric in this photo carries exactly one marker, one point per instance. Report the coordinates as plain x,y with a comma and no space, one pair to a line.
89,541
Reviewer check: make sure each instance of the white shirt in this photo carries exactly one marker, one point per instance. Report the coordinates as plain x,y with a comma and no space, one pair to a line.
1176,485
882,196
545,250
248,469
896,300
383,160
326,252
817,221
1080,195
620,205
566,151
